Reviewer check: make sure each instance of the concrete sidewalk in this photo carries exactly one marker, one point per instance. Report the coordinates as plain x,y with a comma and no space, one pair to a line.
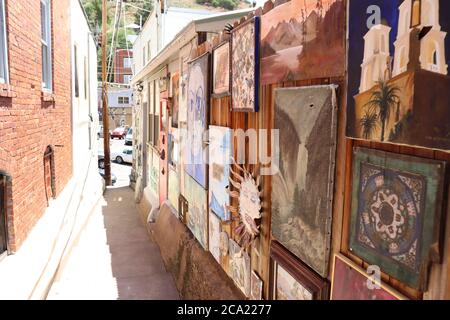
113,258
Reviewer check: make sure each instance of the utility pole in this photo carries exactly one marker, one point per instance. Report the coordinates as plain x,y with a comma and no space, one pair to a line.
105,96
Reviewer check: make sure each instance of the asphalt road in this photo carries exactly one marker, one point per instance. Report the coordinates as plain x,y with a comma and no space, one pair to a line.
122,171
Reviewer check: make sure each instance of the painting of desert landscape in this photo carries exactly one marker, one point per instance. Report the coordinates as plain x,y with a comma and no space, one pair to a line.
287,288
398,73
302,189
303,39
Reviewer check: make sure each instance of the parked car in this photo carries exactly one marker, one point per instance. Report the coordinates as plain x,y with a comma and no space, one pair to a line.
129,137
125,156
119,133
100,132
101,161
113,176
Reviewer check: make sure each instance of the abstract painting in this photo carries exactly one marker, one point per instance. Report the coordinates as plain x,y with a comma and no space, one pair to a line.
291,279
303,187
221,70
197,120
220,152
197,215
239,267
398,72
256,287
396,209
245,66
214,236
303,39
175,99
350,282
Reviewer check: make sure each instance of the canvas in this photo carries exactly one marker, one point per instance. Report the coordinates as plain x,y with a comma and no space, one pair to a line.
221,70
351,282
398,77
256,287
291,279
220,152
245,66
214,236
174,187
396,210
303,187
239,267
303,39
175,99
197,215
197,120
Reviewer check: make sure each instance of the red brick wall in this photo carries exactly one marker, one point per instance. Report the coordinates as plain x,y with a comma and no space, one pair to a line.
119,70
28,123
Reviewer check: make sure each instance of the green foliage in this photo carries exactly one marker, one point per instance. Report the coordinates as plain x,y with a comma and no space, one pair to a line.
226,4
148,6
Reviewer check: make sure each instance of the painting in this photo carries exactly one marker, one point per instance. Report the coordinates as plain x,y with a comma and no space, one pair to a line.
224,244
197,120
175,99
291,279
248,209
351,282
396,212
398,77
220,152
303,187
197,215
303,39
245,66
214,236
239,267
221,70
256,287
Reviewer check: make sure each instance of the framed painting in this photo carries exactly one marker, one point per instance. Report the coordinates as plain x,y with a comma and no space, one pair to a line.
256,287
196,157
302,191
183,207
214,236
239,267
221,70
245,66
291,279
398,72
351,282
396,212
303,39
197,214
175,99
220,152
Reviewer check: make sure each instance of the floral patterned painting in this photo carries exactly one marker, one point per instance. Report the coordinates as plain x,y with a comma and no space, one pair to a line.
245,66
395,205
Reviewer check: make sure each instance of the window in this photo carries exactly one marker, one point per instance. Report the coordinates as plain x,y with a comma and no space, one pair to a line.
4,77
75,61
143,56
127,62
149,50
415,13
127,78
124,100
46,45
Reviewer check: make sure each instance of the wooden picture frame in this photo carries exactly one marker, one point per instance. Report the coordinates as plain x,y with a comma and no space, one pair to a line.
235,69
306,277
222,47
183,207
385,290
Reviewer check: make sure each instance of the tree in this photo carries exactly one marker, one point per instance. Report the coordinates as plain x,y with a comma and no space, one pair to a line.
93,10
142,15
368,123
382,101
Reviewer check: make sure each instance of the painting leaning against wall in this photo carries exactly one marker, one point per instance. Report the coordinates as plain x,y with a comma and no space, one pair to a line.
245,66
239,267
214,236
303,39
396,213
197,215
302,190
398,77
196,154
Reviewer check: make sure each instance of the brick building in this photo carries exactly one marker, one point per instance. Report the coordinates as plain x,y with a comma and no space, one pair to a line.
123,62
35,112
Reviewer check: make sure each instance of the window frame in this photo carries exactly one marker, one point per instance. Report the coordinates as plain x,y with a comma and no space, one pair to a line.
46,30
4,74
129,64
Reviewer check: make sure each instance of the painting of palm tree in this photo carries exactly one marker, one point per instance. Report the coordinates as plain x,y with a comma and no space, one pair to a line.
381,103
368,124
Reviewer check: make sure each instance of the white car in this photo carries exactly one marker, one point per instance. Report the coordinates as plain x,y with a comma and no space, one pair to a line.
125,156
129,137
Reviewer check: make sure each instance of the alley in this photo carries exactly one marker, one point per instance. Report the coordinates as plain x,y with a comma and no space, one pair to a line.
113,258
